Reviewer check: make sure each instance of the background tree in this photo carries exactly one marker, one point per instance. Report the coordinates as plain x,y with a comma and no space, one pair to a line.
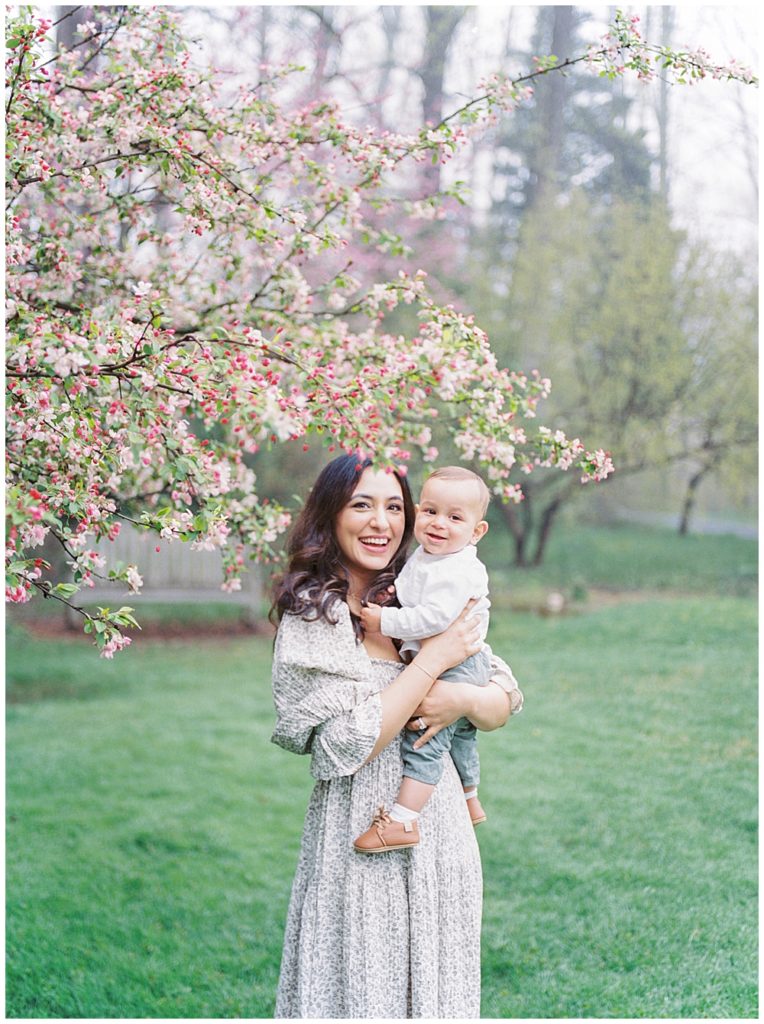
569,166
615,141
593,294
719,418
180,297
573,134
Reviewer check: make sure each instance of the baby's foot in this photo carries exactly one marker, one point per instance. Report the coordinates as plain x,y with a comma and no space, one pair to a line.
477,814
386,834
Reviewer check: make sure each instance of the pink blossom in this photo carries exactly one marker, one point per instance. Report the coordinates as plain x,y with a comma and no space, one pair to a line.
117,642
33,534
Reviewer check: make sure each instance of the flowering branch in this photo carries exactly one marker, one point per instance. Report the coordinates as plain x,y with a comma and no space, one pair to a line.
179,289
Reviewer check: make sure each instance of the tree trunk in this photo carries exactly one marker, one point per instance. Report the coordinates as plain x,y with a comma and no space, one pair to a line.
391,22
326,40
520,530
667,24
264,23
551,94
441,23
547,519
689,499
69,18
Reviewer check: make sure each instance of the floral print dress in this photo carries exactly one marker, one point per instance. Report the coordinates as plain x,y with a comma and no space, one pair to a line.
395,934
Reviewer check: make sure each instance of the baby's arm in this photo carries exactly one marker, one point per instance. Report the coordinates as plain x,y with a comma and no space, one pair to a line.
445,600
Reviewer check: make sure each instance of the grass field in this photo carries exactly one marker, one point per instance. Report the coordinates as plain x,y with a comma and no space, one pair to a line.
153,830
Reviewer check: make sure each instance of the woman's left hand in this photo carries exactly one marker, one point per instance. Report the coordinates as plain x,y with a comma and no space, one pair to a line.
444,704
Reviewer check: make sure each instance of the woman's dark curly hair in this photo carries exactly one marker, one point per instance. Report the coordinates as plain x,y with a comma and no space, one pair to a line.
316,578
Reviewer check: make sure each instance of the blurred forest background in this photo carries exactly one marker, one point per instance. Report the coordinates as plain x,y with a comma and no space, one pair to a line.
605,233
606,236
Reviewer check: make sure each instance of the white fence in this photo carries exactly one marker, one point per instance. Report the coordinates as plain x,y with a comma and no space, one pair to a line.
174,575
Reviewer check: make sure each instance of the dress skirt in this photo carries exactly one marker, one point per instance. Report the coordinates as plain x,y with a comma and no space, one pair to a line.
394,934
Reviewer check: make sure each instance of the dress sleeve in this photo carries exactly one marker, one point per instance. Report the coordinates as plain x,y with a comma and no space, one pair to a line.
502,675
327,702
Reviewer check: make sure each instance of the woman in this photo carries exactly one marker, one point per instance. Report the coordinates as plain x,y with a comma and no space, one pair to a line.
398,934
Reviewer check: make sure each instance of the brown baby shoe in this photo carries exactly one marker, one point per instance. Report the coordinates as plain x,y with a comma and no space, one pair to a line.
477,814
386,834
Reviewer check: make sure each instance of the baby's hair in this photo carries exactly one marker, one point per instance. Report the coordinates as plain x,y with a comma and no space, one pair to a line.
462,473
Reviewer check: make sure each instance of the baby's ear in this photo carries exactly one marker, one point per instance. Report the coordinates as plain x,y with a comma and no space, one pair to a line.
416,509
480,531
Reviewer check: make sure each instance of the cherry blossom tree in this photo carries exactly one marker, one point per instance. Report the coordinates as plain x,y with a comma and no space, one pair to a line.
179,296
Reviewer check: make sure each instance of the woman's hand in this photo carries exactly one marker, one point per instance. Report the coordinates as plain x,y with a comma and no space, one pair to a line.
487,707
443,704
455,644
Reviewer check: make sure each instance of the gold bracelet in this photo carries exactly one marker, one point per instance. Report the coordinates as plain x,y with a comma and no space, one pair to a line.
421,669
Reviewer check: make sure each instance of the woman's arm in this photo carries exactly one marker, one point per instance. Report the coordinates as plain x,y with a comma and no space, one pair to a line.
487,707
491,706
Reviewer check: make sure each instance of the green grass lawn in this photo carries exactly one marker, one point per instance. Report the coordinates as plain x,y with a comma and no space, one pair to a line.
153,830
622,879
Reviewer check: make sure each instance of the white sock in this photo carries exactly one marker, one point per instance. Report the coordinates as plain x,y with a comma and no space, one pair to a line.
403,814
470,793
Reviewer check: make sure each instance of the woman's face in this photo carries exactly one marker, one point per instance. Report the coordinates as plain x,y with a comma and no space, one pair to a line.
370,527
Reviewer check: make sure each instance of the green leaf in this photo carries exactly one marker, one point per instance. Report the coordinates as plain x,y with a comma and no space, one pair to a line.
125,619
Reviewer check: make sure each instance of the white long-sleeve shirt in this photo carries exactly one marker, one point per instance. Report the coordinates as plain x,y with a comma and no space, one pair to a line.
433,590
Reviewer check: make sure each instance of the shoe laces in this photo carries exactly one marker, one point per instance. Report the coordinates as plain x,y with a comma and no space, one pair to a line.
382,817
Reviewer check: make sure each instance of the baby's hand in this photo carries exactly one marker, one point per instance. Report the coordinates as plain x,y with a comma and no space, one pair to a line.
371,618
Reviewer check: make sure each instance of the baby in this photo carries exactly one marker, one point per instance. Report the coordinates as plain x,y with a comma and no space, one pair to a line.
434,586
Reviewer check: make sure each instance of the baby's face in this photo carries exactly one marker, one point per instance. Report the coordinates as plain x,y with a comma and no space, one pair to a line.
448,516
